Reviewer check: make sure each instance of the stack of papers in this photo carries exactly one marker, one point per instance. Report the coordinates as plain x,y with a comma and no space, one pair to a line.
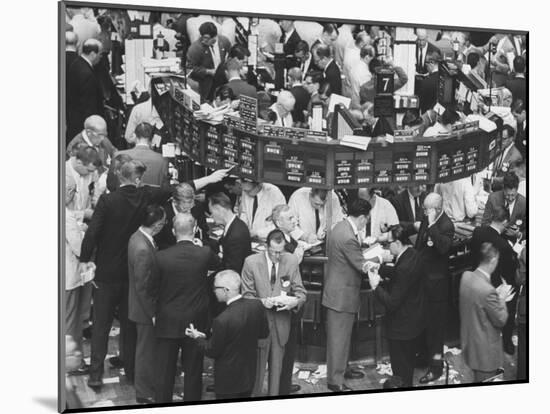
355,141
211,114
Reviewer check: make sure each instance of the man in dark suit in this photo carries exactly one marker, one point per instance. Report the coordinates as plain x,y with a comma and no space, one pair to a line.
330,69
238,52
404,303
341,289
427,87
519,110
235,241
518,84
434,242
302,59
234,341
239,87
156,174
71,39
84,97
482,314
182,300
423,50
273,278
506,267
289,37
300,93
142,277
408,205
204,56
509,199
116,217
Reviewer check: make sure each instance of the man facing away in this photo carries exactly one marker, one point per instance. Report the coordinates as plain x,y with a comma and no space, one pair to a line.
233,343
482,315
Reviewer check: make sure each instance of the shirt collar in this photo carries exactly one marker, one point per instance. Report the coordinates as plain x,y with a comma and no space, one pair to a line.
487,275
353,226
270,263
234,299
143,145
87,138
401,254
494,228
328,64
234,78
228,224
86,59
148,236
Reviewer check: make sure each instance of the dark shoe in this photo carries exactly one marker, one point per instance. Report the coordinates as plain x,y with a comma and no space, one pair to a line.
338,388
509,348
95,383
353,374
82,370
145,400
433,374
116,362
294,388
210,388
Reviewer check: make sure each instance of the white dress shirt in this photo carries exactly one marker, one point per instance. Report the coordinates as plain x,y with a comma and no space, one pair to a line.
148,237
269,266
143,112
268,197
458,198
522,188
82,199
305,214
73,242
234,299
287,121
383,212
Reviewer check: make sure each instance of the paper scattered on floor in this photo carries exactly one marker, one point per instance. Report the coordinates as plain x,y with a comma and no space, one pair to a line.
312,381
106,403
295,370
114,331
122,372
321,372
113,380
384,368
304,375
177,397
87,360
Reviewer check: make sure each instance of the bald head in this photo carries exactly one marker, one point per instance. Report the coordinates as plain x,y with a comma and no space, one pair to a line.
295,75
71,39
91,50
96,129
433,200
286,101
131,172
184,225
229,279
421,37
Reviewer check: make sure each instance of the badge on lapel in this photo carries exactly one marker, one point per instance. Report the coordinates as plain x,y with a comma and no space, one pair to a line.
430,243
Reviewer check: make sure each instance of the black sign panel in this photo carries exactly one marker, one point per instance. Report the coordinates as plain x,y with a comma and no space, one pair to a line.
383,165
402,166
294,166
364,167
343,168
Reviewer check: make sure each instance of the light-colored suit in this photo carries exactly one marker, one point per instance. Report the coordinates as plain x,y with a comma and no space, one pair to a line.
482,316
256,284
156,174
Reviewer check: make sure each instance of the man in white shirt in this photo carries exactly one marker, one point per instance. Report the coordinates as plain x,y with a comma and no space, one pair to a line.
142,112
358,75
310,207
283,219
257,203
283,109
82,167
382,216
343,42
458,198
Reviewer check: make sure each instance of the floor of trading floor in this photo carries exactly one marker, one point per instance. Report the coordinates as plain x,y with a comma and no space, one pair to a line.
116,391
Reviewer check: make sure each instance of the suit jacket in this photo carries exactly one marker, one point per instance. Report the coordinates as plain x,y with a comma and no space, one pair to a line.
233,345
482,316
434,244
256,284
289,47
343,276
302,97
518,87
183,288
403,208
199,59
84,97
422,68
156,173
235,245
116,217
496,199
333,77
512,156
240,87
70,57
404,300
426,89
142,277
106,149
507,261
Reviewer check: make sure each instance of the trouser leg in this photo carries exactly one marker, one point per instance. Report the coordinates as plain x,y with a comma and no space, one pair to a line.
73,326
145,361
128,334
290,354
192,359
165,369
276,355
339,328
402,357
262,357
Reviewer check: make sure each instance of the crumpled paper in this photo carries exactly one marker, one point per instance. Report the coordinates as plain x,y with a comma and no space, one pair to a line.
384,368
115,331
454,351
321,372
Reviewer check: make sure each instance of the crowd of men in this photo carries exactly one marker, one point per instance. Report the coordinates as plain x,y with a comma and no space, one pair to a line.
174,263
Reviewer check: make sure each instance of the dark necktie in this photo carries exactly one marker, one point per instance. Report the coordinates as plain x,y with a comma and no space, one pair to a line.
290,246
317,220
273,274
254,207
283,37
416,208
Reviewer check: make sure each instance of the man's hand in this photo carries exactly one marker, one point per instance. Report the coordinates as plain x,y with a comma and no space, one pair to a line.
417,225
374,279
369,266
505,292
267,302
191,332
88,213
288,302
387,256
84,267
153,319
218,175
311,238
